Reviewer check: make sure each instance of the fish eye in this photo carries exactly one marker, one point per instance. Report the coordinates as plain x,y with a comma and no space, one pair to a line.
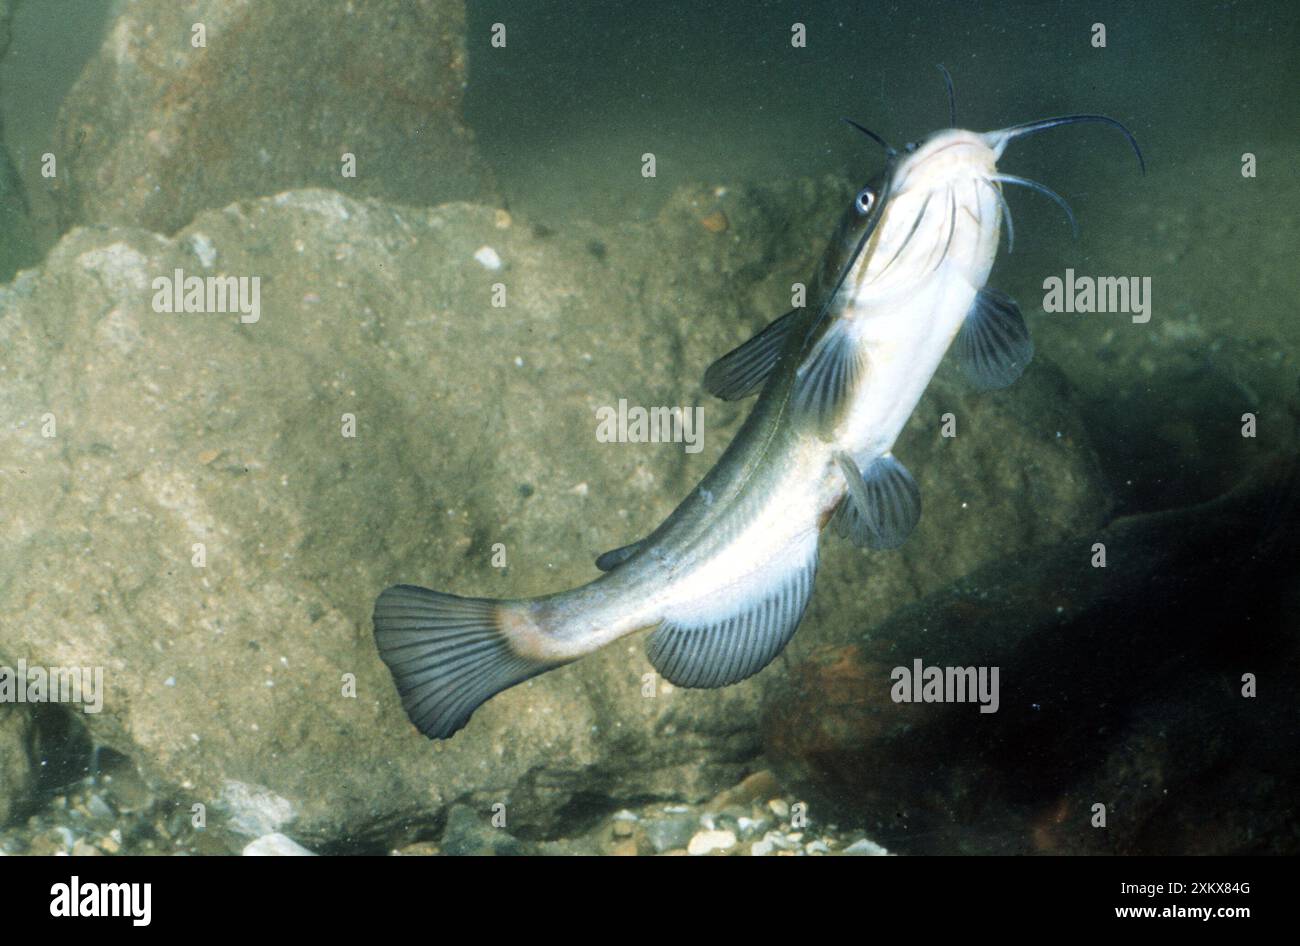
865,200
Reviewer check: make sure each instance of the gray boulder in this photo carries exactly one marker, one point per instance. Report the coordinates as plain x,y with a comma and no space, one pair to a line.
157,129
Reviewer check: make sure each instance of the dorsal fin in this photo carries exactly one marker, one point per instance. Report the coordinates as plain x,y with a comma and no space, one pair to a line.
743,370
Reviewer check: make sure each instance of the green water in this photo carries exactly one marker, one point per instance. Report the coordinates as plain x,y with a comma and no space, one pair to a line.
564,114
718,93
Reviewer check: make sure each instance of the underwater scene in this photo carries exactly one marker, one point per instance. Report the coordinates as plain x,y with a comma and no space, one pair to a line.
453,427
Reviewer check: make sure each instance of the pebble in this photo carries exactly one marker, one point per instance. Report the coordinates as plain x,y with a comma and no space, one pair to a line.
779,807
203,249
96,807
275,845
666,834
865,848
715,222
780,841
487,258
418,849
706,842
44,845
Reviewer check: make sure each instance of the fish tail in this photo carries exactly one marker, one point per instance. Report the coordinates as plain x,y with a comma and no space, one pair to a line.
448,654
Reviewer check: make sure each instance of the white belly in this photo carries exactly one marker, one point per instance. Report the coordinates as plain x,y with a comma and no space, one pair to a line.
905,339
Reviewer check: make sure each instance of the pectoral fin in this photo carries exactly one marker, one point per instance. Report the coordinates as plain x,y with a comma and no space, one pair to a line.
743,370
882,506
993,345
829,375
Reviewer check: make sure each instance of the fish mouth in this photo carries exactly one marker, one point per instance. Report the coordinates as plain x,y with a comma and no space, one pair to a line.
946,158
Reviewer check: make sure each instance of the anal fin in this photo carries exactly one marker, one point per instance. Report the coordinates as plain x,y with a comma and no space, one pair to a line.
715,649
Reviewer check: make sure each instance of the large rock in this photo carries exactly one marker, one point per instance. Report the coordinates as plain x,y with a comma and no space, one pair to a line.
17,773
156,129
475,426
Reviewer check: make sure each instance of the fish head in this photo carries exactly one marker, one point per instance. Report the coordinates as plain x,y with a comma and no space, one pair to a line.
939,206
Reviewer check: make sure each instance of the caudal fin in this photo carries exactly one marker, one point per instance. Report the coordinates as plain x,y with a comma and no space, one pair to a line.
448,655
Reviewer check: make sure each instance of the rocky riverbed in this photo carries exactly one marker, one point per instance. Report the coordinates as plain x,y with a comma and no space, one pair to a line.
113,813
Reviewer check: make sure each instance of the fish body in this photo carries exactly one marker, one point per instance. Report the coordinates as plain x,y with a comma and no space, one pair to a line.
724,580
760,509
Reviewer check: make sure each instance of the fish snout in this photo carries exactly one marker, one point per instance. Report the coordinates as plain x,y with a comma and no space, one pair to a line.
945,158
